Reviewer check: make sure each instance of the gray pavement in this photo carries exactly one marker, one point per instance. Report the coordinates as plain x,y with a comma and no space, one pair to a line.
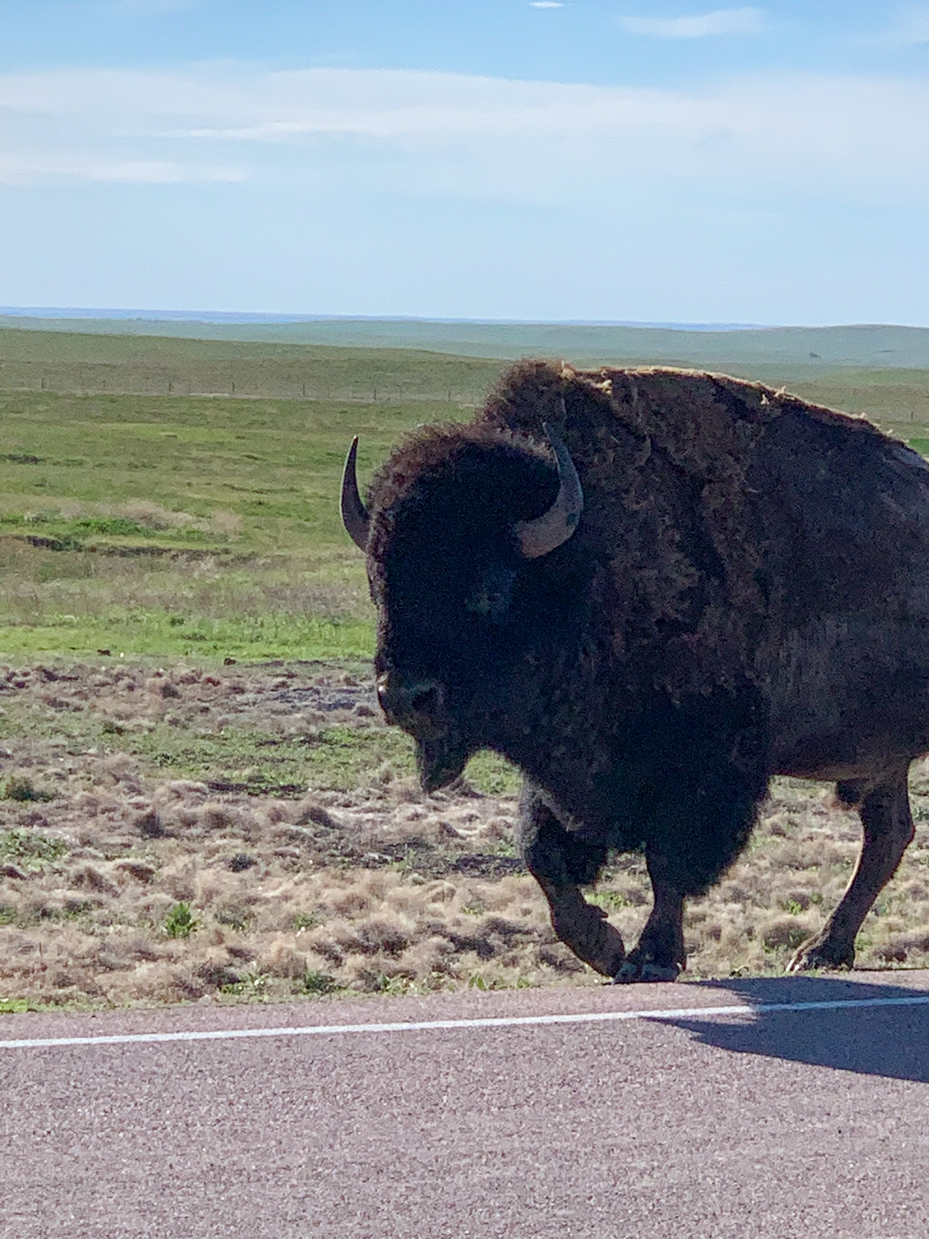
681,1110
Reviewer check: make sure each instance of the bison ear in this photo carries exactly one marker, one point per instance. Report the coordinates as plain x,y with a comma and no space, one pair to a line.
355,517
548,531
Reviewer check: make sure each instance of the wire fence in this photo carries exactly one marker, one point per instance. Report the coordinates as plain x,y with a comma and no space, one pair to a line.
108,380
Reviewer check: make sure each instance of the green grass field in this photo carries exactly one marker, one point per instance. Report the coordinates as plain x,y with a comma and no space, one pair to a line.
149,365
178,525
207,526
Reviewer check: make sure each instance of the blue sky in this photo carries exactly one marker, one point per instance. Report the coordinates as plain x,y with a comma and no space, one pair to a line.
590,160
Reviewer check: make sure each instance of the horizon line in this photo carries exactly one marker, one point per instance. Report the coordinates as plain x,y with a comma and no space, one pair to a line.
232,317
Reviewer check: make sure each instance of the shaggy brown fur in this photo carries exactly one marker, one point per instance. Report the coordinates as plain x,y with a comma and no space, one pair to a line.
747,593
687,454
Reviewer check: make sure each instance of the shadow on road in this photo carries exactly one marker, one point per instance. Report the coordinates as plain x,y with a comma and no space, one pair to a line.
890,1041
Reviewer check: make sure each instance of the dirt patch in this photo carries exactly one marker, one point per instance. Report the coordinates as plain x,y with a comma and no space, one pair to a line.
174,833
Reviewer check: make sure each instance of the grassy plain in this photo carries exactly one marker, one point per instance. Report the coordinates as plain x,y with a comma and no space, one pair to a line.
76,362
182,525
206,526
588,343
171,828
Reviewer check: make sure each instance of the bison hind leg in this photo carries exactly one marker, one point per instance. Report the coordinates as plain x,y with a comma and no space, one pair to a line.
884,808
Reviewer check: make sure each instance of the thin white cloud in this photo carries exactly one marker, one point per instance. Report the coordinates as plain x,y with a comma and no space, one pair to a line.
699,25
863,138
545,4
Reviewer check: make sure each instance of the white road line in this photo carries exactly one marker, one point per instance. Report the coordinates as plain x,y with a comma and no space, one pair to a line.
514,1021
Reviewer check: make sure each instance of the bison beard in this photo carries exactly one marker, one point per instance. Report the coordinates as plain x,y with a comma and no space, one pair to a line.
746,593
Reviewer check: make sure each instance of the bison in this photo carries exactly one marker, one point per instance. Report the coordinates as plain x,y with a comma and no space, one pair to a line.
652,590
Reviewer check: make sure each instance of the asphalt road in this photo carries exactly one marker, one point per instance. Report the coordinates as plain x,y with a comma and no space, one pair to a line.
674,1111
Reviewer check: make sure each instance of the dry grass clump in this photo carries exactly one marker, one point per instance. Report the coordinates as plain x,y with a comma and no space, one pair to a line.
146,515
124,879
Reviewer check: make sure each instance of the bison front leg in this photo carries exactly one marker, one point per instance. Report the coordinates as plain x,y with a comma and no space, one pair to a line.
695,822
659,954
561,863
888,829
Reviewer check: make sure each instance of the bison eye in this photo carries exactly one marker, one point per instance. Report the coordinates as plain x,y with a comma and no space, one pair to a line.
492,596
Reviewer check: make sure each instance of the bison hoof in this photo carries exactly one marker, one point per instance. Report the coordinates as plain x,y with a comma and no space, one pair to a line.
819,953
632,972
610,950
587,932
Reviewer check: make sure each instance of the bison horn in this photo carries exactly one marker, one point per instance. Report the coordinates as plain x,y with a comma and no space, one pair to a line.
355,517
538,537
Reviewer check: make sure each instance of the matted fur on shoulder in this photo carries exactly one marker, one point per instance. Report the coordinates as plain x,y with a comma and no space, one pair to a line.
693,414
674,450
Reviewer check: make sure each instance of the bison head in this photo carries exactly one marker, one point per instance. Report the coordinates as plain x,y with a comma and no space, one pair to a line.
460,531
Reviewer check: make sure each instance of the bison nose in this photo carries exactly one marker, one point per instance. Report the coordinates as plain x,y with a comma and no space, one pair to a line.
415,705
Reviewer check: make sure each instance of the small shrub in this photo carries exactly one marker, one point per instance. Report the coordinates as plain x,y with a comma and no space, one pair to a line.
149,825
241,861
17,787
383,983
219,976
477,981
306,920
74,909
30,849
9,1006
180,921
253,982
313,982
235,916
